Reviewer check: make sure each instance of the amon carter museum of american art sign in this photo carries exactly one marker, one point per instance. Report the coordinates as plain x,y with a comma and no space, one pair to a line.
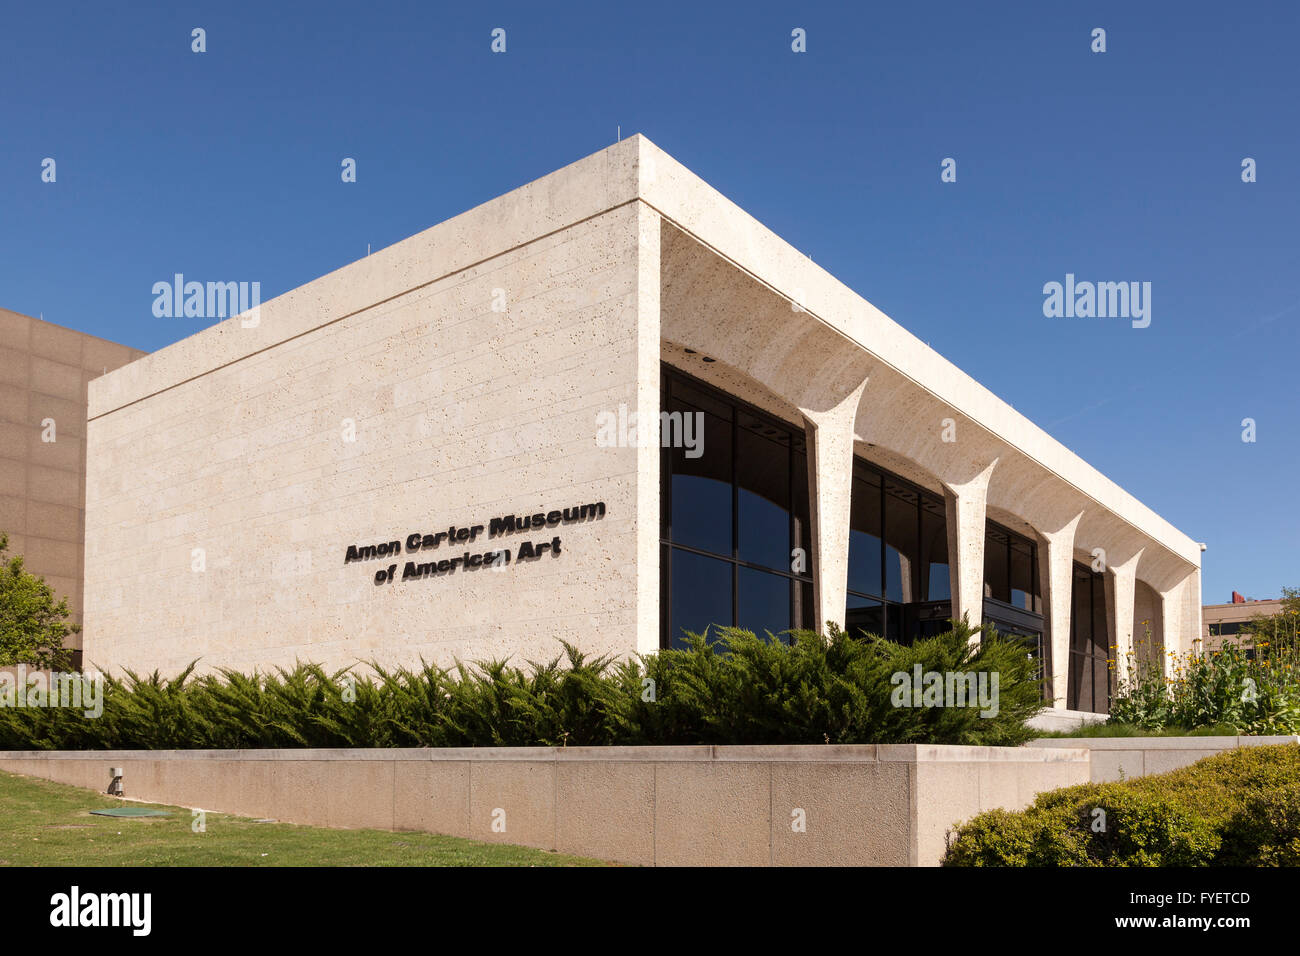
462,536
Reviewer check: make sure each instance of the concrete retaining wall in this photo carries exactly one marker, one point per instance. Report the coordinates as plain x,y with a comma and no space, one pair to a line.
1117,758
1052,719
887,805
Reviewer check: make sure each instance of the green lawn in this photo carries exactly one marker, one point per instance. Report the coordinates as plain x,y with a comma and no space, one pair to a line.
1129,730
49,824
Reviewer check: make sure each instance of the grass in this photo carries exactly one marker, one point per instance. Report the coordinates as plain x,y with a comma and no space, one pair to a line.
1131,730
49,824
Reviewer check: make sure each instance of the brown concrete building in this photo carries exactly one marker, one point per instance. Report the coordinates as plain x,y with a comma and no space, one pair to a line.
44,372
1220,622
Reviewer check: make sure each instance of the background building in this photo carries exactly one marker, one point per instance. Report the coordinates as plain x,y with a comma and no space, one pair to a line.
1224,621
336,480
44,373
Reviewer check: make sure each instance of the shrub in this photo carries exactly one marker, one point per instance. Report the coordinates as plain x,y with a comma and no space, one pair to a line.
1239,808
33,622
1257,694
737,689
1266,831
1143,828
831,689
1002,838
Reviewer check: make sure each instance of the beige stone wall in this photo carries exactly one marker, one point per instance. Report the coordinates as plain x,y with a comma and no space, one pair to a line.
864,805
1122,758
461,413
44,373
228,441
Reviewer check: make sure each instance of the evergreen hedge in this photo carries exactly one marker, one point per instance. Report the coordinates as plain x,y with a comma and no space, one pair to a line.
737,689
1238,808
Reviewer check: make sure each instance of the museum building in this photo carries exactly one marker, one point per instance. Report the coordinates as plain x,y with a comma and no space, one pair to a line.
411,459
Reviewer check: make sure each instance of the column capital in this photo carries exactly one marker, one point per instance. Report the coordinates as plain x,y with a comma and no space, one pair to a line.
965,509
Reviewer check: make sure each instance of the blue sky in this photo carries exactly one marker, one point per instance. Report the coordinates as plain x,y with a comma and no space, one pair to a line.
1122,166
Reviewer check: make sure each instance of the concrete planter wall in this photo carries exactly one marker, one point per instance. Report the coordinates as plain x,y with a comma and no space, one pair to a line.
887,805
1117,758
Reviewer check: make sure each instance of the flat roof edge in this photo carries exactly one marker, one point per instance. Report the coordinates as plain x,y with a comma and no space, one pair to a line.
68,328
693,205
582,190
624,172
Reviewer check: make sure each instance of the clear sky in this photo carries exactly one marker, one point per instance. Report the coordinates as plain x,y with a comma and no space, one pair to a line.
1115,166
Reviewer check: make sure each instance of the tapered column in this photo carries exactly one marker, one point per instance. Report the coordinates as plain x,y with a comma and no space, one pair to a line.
1171,623
830,489
965,506
1121,585
1056,571
1180,621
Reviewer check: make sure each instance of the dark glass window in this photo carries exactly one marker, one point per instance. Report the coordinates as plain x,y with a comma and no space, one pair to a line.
1029,632
1089,674
764,600
701,594
935,585
901,542
1012,604
1023,575
866,567
997,562
800,503
763,493
732,517
804,612
898,558
865,615
701,513
1011,570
